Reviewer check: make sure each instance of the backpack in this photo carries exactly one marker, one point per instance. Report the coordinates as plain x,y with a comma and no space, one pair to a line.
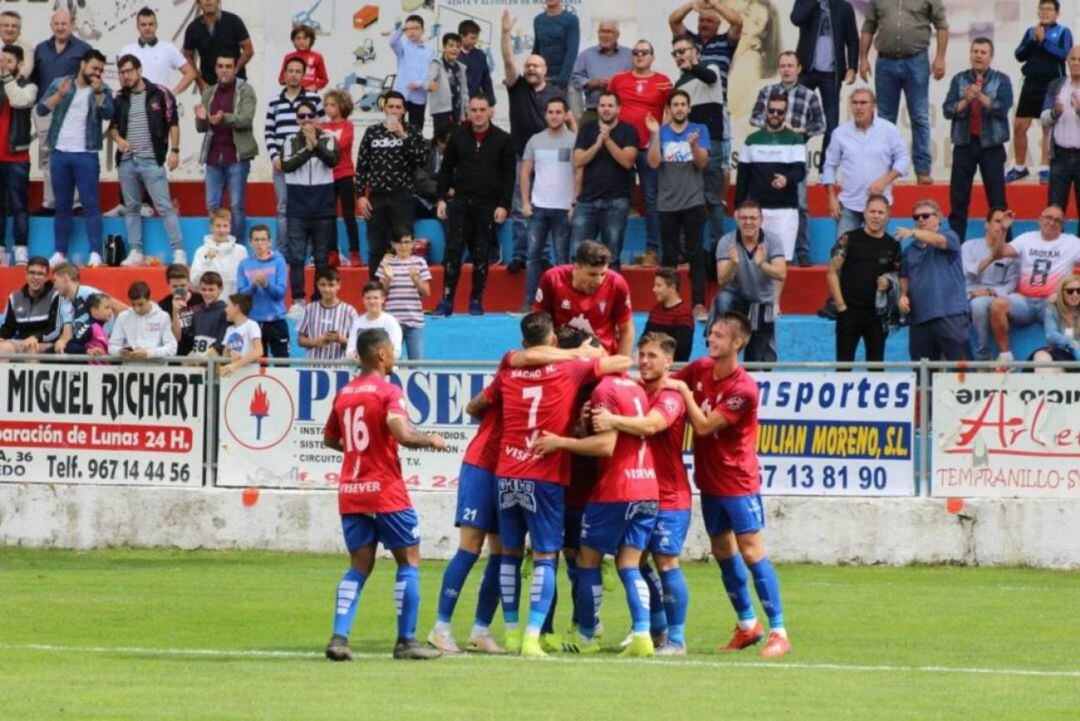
115,250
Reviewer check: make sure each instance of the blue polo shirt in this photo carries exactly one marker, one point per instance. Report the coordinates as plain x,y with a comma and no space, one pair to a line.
935,280
50,65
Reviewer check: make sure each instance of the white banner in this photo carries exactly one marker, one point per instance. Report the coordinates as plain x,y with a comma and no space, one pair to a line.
129,425
1006,435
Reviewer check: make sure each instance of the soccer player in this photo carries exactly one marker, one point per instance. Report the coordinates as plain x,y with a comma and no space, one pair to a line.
531,485
665,428
367,423
721,402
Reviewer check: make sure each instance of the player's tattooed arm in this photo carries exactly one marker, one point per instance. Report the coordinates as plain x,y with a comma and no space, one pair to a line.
408,436
704,423
648,425
601,445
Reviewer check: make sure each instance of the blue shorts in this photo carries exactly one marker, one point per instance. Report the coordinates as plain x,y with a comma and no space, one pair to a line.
669,534
741,514
392,530
530,506
477,499
607,527
572,527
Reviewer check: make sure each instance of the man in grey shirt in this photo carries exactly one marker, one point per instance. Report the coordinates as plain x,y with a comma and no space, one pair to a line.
749,264
989,274
595,67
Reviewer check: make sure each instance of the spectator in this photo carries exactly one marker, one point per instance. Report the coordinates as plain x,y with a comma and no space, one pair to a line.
447,86
476,182
206,334
390,154
32,322
374,317
1046,256
548,200
805,117
338,107
903,64
282,122
749,261
712,45
309,158
1062,324
989,274
146,130
326,325
58,57
679,150
413,58
75,317
426,178
18,98
477,72
11,34
315,77
589,297
870,155
243,342
643,92
219,252
671,315
159,57
406,279
144,330
932,289
181,303
78,105
597,65
862,272
1065,132
604,154
827,53
213,34
100,313
1042,51
226,116
556,38
978,105
263,277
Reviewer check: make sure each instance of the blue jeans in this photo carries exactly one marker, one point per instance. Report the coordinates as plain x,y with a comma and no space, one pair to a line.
849,221
412,338
714,188
135,174
912,76
603,221
281,194
235,175
14,189
81,170
519,224
649,180
547,226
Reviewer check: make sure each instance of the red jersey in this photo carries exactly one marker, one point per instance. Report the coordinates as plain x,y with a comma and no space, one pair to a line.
667,448
535,400
641,97
628,475
598,313
483,450
343,133
583,469
315,77
726,462
370,479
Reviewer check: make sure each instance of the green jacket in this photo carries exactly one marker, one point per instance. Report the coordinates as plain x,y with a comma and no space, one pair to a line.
240,120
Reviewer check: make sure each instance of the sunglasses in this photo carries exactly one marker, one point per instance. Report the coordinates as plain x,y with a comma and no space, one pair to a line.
305,116
641,53
776,111
679,52
922,216
1071,291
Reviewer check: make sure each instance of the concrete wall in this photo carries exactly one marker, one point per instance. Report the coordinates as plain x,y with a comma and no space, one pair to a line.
816,530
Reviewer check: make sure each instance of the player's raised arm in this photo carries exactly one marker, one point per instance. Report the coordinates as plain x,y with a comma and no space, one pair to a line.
704,424
600,445
407,435
613,365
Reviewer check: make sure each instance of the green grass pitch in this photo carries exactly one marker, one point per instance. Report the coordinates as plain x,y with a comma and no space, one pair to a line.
198,635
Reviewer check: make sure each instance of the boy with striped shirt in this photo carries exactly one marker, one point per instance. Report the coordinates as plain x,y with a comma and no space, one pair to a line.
325,327
407,281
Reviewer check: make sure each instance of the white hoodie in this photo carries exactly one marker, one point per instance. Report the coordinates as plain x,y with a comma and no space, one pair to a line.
152,331
225,262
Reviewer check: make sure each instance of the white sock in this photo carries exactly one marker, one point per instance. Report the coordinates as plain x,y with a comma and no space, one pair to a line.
508,627
480,632
779,630
747,624
442,628
1005,355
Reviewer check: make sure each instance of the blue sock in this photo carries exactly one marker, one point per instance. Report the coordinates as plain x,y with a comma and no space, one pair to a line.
768,592
541,594
549,621
572,574
348,598
733,571
510,589
590,593
407,598
489,592
676,600
657,618
637,597
452,582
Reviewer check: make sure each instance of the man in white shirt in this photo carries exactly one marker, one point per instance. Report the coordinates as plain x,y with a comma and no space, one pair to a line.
1061,114
159,58
374,317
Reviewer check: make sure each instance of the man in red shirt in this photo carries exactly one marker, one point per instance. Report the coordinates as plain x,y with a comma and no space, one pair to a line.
19,95
367,423
590,297
644,92
722,401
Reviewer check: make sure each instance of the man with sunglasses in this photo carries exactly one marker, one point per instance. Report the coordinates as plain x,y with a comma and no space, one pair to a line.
989,275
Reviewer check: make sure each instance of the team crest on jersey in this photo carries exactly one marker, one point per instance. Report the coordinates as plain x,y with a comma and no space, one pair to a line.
671,405
697,386
603,306
517,492
639,86
734,403
565,305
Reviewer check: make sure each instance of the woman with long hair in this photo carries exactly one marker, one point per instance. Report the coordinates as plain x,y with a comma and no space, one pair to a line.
1062,325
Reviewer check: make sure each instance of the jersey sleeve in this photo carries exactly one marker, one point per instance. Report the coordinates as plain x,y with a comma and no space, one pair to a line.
621,302
394,402
603,397
584,370
670,405
493,390
736,405
545,294
332,431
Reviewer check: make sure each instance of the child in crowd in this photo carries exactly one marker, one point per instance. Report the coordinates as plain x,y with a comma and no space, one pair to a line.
315,77
448,89
477,73
324,329
99,307
407,281
413,57
243,340
264,277
374,317
208,324
338,107
219,252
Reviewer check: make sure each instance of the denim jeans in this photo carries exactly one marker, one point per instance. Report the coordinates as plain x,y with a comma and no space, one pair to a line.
715,196
849,220
14,189
136,174
412,337
235,177
980,324
603,221
649,180
912,76
547,226
281,194
828,86
71,170
802,240
321,234
519,224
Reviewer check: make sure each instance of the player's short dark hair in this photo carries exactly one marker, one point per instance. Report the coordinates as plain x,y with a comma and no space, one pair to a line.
93,54
738,320
328,274
670,276
413,19
368,343
679,94
592,254
373,286
14,50
568,337
393,95
242,301
38,261
212,277
684,38
258,228
560,101
448,38
667,343
96,300
146,12
536,328
994,209
227,54
468,27
128,59
296,59
611,94
139,290
302,30
877,198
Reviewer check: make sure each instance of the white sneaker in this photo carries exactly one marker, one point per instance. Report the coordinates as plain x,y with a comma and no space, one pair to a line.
343,260
94,261
3,256
56,259
444,642
22,255
628,640
134,259
147,210
117,212
179,256
296,310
